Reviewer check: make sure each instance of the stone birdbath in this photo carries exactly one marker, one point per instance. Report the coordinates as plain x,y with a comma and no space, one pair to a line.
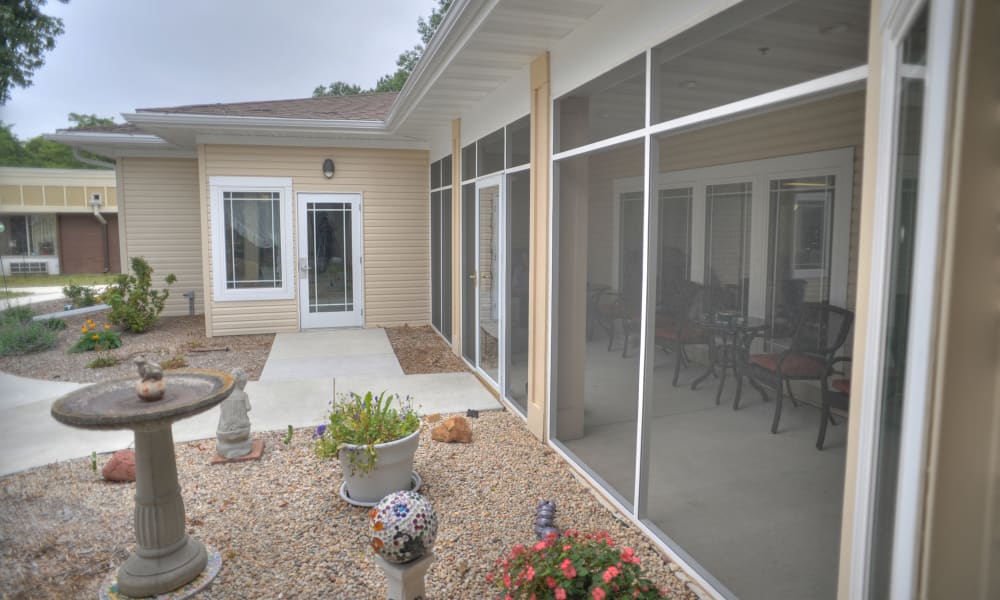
166,558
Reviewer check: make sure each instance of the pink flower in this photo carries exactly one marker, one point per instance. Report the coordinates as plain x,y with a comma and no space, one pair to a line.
628,556
539,546
567,568
610,573
549,581
560,594
598,594
518,549
531,572
506,580
567,547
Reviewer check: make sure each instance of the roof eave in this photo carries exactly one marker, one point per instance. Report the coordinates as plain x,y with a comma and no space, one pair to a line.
186,120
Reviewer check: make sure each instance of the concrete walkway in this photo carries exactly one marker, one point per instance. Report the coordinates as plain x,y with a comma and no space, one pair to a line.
302,374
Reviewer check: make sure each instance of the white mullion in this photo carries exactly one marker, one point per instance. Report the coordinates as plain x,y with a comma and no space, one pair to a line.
232,238
312,274
275,241
650,234
600,145
518,169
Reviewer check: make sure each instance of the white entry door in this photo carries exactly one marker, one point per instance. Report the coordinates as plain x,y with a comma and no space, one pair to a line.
330,267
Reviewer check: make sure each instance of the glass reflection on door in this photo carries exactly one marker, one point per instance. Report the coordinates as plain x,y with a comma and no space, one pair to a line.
488,262
331,278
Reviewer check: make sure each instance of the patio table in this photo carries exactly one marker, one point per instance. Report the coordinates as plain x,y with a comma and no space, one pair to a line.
729,337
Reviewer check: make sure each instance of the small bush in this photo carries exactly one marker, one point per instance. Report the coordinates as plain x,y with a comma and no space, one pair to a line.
16,314
135,305
174,362
81,295
54,324
19,337
102,361
96,338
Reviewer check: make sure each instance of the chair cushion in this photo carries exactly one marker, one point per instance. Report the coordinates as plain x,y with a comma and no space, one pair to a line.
794,365
841,385
686,335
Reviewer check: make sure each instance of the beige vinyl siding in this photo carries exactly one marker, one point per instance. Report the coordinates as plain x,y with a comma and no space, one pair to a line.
161,206
395,219
55,190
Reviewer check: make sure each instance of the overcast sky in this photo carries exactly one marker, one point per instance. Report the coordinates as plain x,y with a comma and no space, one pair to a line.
119,55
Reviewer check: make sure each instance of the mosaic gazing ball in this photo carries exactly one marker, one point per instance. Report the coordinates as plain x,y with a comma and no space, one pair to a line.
403,527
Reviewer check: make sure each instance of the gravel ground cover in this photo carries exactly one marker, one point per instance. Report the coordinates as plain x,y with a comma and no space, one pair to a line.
284,533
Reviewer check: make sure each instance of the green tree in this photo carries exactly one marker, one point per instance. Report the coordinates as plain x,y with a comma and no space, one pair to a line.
40,152
12,153
393,82
337,88
26,34
89,120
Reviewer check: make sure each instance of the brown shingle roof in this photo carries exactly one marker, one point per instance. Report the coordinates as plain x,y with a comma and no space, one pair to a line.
359,107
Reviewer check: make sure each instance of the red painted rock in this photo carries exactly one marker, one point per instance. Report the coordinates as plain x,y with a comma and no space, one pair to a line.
121,467
453,429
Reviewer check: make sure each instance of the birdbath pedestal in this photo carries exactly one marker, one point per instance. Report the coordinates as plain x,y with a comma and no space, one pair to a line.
166,557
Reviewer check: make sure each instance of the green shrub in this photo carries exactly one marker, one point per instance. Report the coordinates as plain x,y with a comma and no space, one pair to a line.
16,314
54,324
19,337
96,338
81,295
135,305
103,360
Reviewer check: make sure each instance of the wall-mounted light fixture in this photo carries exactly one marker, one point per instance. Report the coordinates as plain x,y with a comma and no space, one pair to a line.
328,168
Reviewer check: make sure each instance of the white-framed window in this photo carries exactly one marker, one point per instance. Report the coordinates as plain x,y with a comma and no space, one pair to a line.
252,254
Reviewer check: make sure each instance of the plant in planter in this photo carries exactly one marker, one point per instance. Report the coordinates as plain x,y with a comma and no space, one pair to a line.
375,442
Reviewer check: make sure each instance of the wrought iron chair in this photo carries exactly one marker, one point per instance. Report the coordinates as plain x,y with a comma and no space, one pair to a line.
676,325
819,333
836,395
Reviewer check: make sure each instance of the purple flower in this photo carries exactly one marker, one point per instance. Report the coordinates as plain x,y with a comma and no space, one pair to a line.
320,431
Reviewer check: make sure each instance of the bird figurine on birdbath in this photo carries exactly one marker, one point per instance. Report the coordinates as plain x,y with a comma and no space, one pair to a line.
151,387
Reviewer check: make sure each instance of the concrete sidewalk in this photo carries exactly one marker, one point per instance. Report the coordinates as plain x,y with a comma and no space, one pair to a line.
302,374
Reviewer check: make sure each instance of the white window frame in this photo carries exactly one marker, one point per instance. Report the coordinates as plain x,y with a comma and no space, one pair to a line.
218,185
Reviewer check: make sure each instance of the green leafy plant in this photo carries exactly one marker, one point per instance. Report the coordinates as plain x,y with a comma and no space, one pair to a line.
103,360
97,338
356,420
53,324
93,460
81,295
288,436
20,335
135,305
575,566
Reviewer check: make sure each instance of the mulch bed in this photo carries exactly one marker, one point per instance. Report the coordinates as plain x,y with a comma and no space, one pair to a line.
422,350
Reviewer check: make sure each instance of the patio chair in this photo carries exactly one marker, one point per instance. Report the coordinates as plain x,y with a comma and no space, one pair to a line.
836,395
819,333
676,325
611,307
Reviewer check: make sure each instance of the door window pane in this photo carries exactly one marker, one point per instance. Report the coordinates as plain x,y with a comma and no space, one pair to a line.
328,226
489,262
469,271
801,231
674,240
727,253
604,107
252,230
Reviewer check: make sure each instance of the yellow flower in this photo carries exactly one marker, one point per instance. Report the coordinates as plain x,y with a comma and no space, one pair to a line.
84,329
107,327
95,337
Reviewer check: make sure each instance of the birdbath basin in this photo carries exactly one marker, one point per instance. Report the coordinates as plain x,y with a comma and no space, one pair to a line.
166,557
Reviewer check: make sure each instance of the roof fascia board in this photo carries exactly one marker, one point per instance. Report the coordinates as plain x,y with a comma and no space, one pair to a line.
75,138
185,120
310,142
462,20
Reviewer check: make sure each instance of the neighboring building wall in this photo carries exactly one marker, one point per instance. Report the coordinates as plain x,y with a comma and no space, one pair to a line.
55,190
160,205
395,218
81,244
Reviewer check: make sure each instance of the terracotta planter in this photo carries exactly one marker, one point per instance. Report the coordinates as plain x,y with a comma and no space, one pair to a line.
393,471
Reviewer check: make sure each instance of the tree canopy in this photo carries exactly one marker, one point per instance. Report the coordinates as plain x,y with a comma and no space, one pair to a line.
393,82
40,152
26,34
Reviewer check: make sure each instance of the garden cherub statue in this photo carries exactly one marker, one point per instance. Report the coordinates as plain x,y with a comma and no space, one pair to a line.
233,433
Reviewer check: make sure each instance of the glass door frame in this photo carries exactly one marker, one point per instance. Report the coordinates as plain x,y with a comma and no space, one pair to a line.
897,16
498,278
354,318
